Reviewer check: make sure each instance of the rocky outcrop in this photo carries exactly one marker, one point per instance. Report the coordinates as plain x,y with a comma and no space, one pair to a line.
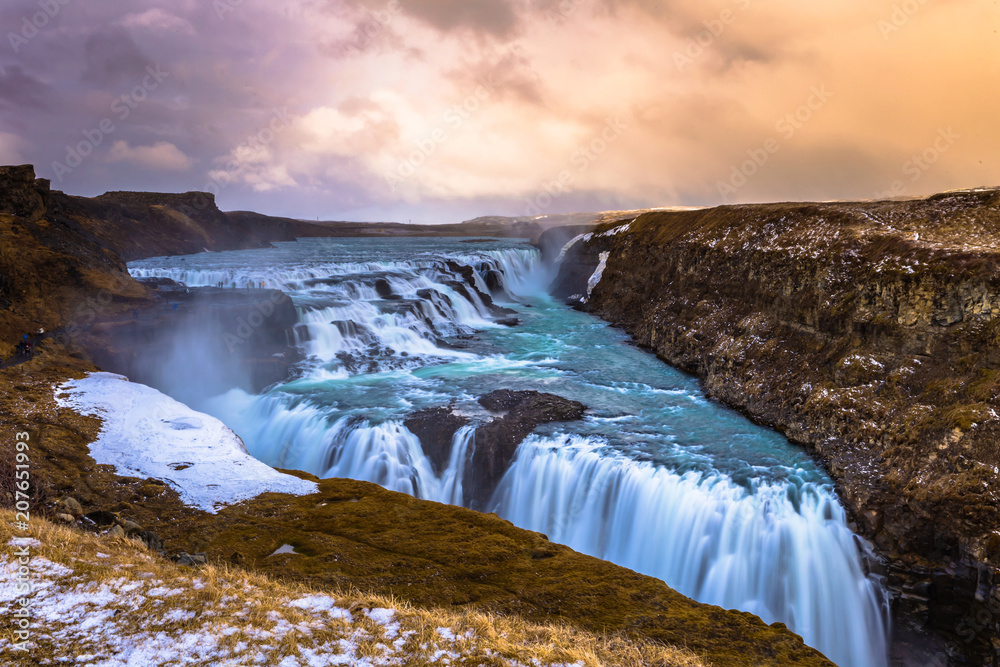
436,429
137,225
869,332
519,413
53,270
515,415
21,193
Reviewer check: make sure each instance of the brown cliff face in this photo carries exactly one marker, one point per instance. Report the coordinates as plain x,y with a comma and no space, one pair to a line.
869,332
62,258
52,268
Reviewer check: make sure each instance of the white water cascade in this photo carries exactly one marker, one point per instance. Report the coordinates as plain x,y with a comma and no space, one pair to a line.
777,548
780,552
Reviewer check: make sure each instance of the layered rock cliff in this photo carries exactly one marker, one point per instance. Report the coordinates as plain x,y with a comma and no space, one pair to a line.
869,332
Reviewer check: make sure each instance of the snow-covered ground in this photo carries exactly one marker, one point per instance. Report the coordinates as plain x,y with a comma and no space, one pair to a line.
148,434
140,620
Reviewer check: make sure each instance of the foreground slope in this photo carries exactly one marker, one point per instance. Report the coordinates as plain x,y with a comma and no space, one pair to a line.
141,610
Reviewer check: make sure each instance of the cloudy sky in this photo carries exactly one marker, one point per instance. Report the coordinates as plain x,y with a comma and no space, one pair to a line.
441,110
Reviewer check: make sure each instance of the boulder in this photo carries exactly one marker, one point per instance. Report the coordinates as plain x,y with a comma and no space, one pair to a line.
497,441
436,428
102,518
384,290
190,560
152,541
130,527
71,505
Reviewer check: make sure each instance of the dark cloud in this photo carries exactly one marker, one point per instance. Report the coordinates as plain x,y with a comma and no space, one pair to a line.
20,90
507,74
112,56
371,35
721,29
495,18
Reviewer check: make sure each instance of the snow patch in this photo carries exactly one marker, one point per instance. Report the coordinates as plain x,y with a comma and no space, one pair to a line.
285,549
598,273
148,434
617,230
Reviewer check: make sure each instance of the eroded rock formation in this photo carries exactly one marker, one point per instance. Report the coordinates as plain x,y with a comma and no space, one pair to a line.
519,413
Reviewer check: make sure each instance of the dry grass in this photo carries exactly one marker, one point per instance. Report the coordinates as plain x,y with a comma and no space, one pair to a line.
115,601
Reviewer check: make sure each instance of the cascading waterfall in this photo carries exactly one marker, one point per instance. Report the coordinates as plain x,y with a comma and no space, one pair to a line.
394,326
781,552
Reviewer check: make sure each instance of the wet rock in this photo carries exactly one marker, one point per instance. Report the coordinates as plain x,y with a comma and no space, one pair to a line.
487,300
351,329
157,283
509,321
384,289
497,441
436,428
467,273
494,282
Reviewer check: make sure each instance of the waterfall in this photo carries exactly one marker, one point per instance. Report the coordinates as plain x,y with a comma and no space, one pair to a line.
387,333
782,552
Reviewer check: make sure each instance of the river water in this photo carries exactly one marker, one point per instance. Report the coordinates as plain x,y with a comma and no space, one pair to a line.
656,477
